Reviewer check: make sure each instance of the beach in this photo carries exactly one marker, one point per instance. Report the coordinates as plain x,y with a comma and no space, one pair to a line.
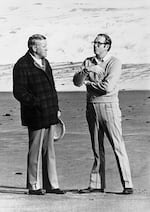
74,158
70,26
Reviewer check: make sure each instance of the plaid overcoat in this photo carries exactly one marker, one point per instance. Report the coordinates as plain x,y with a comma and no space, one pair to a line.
34,88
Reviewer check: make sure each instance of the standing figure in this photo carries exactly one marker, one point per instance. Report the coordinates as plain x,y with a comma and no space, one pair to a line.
101,74
34,88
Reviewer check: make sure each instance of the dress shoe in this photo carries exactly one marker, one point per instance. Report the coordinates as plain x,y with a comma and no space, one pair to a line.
91,190
37,192
55,191
127,191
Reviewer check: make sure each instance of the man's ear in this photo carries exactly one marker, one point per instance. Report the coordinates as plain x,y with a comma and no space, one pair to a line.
34,48
107,46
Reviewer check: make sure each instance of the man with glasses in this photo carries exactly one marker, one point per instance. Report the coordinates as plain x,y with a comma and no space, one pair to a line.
100,74
34,88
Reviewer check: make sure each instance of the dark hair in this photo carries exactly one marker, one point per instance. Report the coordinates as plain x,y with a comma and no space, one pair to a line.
107,39
32,40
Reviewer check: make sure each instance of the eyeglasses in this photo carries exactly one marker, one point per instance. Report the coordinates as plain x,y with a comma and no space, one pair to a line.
97,43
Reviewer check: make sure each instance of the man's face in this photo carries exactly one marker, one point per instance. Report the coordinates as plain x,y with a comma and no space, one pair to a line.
40,48
99,45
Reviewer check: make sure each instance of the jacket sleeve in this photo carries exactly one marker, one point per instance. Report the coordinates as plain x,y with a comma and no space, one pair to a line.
20,87
110,80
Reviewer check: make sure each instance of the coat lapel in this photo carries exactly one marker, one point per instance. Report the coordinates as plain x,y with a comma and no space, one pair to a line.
45,68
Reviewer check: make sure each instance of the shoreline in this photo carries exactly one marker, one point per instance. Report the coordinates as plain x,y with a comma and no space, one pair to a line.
133,77
84,91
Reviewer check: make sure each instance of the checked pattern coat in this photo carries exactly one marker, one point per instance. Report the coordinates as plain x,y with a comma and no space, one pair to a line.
34,88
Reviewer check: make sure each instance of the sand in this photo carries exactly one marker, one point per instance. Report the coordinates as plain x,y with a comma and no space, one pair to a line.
74,158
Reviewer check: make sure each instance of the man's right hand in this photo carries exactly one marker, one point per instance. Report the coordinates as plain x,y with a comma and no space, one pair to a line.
95,69
90,67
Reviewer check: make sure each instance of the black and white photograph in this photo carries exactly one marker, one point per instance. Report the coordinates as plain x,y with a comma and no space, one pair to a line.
75,106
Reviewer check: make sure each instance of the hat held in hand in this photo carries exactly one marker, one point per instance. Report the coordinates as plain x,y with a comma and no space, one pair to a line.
59,130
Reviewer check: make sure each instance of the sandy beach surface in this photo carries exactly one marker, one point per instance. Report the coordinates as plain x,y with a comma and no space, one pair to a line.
74,158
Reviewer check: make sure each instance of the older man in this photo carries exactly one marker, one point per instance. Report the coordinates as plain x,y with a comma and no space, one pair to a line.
34,88
101,74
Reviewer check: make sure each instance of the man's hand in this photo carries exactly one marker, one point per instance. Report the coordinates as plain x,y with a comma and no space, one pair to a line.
90,67
59,113
87,82
95,69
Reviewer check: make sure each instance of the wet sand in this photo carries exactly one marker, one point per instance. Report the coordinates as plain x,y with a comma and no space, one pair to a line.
74,158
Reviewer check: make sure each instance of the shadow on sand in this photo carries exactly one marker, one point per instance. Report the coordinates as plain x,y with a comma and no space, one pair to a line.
13,190
22,190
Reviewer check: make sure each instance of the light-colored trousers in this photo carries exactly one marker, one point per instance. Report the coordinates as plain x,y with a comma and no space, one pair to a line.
105,118
41,142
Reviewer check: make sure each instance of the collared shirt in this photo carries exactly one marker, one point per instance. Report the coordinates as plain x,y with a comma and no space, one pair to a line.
38,61
107,56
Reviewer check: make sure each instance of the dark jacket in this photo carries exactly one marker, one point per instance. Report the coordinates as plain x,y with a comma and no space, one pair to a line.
34,88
